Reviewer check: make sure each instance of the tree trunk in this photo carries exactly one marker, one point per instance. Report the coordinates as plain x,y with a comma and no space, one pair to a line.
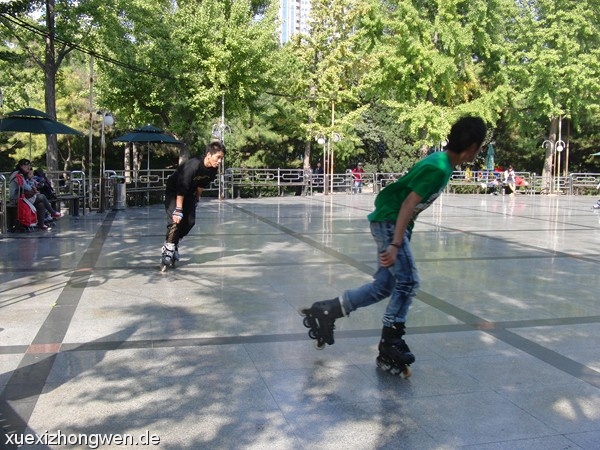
50,86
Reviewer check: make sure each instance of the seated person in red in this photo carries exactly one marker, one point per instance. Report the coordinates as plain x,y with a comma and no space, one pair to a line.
22,179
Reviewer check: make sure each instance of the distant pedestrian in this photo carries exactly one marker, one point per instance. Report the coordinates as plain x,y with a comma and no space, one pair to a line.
357,178
318,177
510,180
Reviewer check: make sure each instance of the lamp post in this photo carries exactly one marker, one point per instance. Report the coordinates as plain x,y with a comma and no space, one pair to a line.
218,132
107,121
335,137
328,160
322,141
552,146
559,146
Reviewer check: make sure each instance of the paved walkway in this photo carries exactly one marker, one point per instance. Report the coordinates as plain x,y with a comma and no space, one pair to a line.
95,341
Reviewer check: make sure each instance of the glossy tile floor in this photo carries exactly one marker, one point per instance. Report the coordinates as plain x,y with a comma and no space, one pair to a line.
95,340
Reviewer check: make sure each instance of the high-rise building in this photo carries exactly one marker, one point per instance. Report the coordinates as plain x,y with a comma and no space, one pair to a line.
294,18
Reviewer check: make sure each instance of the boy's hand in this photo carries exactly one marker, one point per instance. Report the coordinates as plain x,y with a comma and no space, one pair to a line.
387,257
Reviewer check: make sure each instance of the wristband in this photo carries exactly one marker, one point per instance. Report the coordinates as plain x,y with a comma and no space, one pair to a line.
395,245
178,214
178,209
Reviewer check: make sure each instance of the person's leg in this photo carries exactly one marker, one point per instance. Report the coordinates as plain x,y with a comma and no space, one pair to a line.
172,237
394,353
405,287
48,206
41,211
320,317
189,216
383,279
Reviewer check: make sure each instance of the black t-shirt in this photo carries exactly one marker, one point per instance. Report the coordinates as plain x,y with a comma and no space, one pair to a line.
190,175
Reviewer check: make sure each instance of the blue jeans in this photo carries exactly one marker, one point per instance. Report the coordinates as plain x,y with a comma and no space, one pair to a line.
399,281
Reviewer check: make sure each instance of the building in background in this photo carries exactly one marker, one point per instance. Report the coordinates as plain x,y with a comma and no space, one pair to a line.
294,18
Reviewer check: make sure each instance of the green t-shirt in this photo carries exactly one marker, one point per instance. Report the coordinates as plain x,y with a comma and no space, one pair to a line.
428,178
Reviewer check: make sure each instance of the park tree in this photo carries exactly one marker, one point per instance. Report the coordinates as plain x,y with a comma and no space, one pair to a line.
43,34
439,60
554,66
324,71
202,59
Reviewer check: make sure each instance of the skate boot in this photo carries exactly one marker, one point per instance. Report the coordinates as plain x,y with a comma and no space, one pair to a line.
320,318
394,354
168,256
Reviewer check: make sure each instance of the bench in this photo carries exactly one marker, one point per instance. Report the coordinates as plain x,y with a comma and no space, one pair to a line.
72,200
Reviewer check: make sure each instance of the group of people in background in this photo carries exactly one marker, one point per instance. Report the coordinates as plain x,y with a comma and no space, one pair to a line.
37,190
356,178
495,182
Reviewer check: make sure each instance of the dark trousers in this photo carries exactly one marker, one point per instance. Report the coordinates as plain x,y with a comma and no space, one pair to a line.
177,231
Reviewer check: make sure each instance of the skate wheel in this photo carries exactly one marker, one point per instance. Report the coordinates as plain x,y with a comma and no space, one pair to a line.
162,267
383,365
395,370
406,373
303,311
319,345
312,334
306,322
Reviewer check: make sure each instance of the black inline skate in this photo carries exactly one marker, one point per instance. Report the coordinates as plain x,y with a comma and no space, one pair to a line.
394,354
170,254
320,318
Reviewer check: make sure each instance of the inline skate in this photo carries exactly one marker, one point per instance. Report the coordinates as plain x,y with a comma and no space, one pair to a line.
320,318
394,354
170,254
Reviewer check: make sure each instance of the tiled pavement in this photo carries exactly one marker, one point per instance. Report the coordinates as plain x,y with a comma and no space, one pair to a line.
96,341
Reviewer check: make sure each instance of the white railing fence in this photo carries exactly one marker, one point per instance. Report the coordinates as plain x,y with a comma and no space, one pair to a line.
144,187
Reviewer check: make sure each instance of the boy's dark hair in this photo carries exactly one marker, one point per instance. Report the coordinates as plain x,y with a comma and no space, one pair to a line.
465,132
215,147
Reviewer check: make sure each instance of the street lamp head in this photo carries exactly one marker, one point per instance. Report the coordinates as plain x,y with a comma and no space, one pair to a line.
321,140
560,146
107,118
336,137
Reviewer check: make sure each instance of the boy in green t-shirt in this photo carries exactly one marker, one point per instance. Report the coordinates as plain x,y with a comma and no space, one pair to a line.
396,208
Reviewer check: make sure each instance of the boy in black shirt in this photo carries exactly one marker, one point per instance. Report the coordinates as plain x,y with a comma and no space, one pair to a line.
184,188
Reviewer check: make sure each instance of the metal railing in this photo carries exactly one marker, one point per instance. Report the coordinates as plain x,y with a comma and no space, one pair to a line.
147,186
4,196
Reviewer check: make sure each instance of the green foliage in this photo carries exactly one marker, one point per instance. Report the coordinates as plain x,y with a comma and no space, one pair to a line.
390,76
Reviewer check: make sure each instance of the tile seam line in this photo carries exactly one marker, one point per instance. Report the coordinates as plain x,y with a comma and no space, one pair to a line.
558,361
36,379
490,327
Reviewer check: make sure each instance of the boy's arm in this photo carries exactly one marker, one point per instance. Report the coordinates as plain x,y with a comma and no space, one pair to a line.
405,215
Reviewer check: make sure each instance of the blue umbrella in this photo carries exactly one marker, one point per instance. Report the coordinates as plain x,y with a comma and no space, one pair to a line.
31,120
148,134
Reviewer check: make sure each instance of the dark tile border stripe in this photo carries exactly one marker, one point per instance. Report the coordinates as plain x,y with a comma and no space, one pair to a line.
19,397
558,361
